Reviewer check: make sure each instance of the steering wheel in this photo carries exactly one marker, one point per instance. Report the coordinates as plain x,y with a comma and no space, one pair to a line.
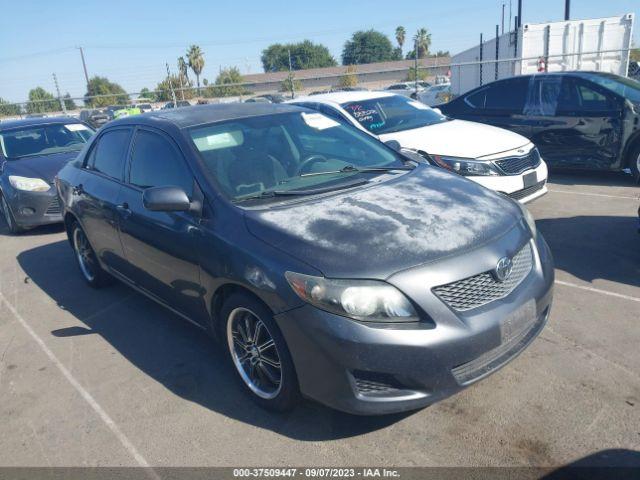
310,160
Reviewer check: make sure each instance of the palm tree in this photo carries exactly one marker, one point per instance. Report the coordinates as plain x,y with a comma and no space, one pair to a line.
196,62
401,33
422,41
183,68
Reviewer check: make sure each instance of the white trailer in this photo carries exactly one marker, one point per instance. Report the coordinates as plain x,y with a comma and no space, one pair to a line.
598,44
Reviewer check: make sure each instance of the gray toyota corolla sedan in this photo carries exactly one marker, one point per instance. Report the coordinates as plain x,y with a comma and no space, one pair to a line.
32,151
329,265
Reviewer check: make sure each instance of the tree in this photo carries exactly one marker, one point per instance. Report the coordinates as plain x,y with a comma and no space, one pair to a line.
69,104
442,53
183,68
422,41
401,34
146,93
291,84
368,47
634,55
349,79
163,89
41,101
411,75
195,58
9,109
113,94
304,55
226,84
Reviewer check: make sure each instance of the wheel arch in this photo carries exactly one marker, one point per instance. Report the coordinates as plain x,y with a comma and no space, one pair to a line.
220,295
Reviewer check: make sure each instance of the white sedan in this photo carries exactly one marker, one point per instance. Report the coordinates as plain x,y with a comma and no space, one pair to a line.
496,158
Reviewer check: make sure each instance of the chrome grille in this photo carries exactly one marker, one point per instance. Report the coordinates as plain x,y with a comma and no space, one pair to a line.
54,207
473,292
517,165
525,192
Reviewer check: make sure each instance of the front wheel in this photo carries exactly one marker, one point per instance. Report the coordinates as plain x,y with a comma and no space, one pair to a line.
8,216
87,260
259,353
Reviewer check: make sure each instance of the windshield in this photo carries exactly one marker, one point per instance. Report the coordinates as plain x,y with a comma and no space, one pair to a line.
253,156
630,89
44,140
392,114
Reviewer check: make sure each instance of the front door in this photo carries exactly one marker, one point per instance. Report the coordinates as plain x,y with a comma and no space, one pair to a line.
161,247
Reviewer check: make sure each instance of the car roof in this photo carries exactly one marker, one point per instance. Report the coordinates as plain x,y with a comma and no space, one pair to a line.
28,122
185,117
342,97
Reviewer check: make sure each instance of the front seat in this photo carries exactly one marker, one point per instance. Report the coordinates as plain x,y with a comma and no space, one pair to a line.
252,171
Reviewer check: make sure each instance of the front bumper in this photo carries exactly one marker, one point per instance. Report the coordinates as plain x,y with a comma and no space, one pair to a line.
513,185
31,209
366,369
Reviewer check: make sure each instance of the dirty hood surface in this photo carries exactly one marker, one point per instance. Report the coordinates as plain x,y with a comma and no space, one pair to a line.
45,167
383,228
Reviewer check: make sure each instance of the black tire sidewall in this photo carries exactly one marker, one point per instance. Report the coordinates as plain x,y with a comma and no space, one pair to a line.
101,278
290,392
633,161
12,225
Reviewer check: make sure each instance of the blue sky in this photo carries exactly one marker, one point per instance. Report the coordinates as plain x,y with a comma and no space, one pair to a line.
130,41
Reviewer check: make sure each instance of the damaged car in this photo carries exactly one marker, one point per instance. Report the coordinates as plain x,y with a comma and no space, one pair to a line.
328,265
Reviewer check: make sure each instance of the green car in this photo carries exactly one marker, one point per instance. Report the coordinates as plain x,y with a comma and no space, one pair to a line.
126,112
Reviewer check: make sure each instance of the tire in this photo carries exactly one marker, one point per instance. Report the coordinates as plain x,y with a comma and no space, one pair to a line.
634,161
256,365
9,220
90,269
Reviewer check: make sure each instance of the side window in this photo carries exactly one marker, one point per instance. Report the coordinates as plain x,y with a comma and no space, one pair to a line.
108,155
476,99
155,162
592,100
507,96
543,95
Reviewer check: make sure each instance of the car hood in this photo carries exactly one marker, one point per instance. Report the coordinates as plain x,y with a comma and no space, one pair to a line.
458,138
389,226
43,166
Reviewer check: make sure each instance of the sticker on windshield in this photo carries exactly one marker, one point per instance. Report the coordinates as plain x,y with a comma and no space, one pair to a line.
418,105
318,121
75,127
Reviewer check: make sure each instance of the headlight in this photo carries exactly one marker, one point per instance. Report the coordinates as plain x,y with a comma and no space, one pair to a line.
365,300
465,167
28,184
531,223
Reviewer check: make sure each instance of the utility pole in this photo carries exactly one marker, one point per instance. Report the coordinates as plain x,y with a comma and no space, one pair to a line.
62,105
567,9
503,18
497,49
510,15
519,21
481,54
173,93
84,67
291,75
415,65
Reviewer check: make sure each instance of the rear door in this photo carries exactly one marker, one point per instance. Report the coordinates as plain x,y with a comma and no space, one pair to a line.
575,123
161,247
96,192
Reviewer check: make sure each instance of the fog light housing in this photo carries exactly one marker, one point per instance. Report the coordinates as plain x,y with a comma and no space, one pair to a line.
27,211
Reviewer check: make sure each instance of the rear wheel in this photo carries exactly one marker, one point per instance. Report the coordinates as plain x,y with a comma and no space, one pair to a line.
8,216
259,353
87,260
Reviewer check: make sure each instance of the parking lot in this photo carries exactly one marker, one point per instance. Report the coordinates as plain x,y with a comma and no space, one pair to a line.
107,377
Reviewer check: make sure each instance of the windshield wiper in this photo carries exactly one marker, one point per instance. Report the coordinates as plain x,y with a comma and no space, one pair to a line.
290,193
352,169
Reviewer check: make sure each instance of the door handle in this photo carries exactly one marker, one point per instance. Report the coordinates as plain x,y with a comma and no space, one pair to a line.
124,210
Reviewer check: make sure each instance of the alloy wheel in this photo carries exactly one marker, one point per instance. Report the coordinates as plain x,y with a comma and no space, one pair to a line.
84,254
254,353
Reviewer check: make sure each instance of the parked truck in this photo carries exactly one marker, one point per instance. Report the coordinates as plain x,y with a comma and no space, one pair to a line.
599,44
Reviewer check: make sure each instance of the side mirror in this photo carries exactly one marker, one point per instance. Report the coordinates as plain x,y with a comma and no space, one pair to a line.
166,199
394,144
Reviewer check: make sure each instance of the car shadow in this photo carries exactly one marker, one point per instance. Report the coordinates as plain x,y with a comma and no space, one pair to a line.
173,352
588,177
595,247
619,464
